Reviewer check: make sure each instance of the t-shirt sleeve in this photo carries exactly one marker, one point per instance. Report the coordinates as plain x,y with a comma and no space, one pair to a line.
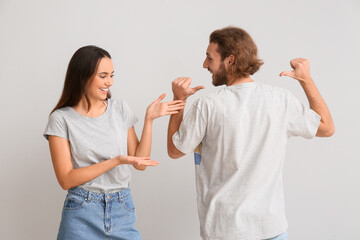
130,117
301,120
56,126
192,130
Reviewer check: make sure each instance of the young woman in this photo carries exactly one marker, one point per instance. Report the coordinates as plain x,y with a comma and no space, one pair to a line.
92,144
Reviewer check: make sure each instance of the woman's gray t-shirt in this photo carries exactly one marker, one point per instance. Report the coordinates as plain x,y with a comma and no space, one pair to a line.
93,140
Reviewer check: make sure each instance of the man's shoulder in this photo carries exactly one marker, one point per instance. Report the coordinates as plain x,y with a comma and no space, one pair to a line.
218,96
272,87
208,98
272,90
213,95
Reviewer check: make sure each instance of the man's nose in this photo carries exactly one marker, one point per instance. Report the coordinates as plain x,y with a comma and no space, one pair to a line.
205,64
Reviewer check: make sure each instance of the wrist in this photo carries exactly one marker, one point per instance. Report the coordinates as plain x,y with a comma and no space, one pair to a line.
179,98
148,118
307,82
119,159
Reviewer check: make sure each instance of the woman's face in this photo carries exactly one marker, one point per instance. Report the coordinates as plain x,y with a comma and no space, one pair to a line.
102,81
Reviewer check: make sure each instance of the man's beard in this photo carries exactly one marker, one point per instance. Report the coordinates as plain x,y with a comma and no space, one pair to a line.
220,77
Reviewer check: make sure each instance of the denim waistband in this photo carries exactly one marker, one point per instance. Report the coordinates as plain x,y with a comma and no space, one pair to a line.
99,196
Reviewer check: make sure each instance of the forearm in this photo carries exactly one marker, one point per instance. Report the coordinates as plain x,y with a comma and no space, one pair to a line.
318,104
144,147
79,176
181,91
174,125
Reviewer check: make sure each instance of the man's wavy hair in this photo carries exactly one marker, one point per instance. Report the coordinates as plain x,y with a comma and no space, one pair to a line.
236,41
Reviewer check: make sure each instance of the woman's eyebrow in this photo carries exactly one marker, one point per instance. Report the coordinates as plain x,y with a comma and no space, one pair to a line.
106,72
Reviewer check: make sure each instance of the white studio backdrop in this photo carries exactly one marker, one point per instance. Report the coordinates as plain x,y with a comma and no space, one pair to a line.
151,43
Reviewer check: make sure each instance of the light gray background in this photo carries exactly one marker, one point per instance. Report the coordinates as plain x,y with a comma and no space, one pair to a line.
152,42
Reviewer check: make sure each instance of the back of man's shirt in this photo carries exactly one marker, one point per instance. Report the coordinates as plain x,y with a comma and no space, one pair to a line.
243,130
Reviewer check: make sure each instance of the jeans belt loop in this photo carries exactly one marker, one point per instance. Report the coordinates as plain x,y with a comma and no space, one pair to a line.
88,198
120,197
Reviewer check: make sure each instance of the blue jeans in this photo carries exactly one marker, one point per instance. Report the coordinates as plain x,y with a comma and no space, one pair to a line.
89,215
282,236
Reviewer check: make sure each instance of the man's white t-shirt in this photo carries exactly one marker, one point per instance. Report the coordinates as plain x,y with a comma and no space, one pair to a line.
243,131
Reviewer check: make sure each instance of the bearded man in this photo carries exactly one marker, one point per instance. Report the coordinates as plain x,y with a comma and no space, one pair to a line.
239,136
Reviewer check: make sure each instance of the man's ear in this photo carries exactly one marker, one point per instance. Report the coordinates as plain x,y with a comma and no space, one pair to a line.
230,60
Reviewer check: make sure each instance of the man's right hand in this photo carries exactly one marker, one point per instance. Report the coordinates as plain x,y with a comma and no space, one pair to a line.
181,89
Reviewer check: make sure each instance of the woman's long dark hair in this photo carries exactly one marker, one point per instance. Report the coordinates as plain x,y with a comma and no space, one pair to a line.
81,70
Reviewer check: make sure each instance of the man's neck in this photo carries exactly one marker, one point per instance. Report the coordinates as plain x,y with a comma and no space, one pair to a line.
236,81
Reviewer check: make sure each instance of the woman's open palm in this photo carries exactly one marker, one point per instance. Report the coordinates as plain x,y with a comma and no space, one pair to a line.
158,109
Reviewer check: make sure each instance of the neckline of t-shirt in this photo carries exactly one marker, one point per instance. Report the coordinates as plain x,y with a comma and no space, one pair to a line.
242,85
93,118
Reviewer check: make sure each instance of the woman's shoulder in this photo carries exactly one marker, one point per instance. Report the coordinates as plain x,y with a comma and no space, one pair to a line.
115,101
61,114
118,104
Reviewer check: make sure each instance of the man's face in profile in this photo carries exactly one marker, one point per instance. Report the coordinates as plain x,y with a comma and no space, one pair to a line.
215,65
